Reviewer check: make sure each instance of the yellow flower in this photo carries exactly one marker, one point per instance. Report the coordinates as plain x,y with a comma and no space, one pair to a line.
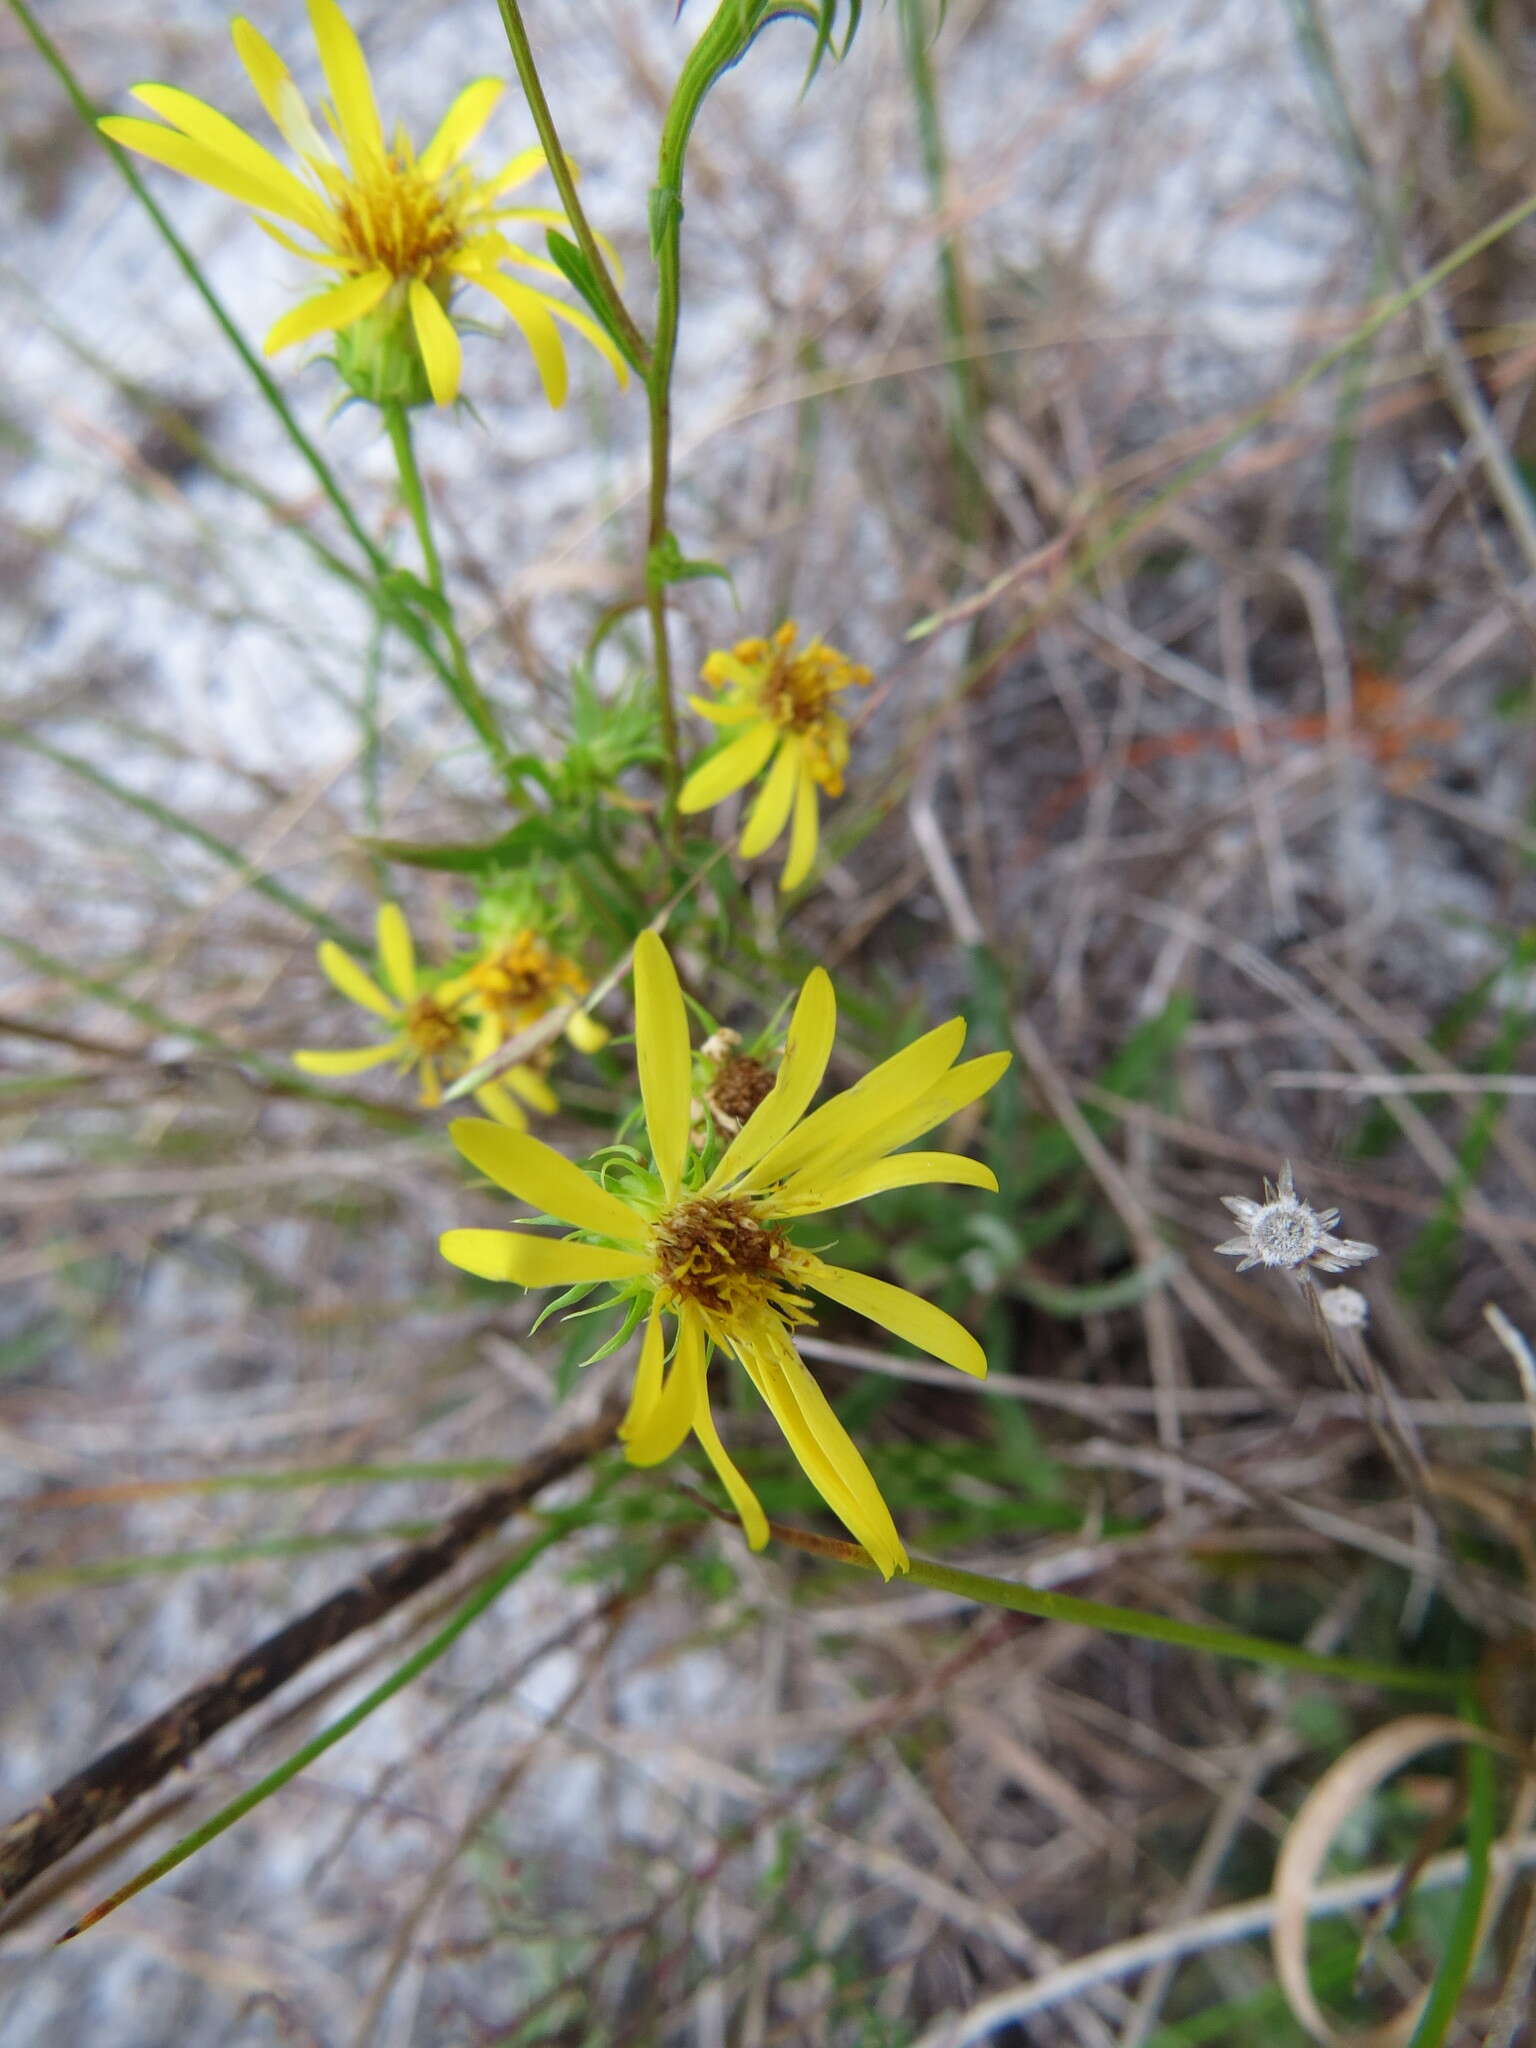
780,700
430,1033
398,230
515,983
708,1245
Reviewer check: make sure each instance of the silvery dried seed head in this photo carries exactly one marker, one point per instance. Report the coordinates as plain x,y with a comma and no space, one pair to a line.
1284,1231
1345,1307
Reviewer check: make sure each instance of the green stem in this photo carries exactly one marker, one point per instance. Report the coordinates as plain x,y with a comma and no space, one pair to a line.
659,391
565,181
459,677
489,1590
277,1079
162,814
988,1591
954,296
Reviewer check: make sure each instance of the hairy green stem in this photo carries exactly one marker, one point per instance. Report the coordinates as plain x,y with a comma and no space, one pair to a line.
489,1589
459,677
954,294
989,1591
565,181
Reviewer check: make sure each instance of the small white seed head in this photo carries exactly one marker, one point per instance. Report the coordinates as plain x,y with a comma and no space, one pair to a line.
1286,1232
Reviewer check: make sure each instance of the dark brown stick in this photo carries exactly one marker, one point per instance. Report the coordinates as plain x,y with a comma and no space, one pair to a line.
94,1797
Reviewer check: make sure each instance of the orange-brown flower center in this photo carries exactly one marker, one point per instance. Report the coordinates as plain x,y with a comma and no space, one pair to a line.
524,978
430,1028
796,689
740,1084
716,1252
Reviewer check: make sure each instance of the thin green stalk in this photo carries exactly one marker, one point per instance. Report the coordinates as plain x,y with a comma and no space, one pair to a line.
97,1571
459,677
148,807
988,1591
560,170
370,758
1439,2014
277,1079
483,1596
268,1482
719,46
954,298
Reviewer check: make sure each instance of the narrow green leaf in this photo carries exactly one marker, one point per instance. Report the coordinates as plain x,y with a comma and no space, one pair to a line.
489,1590
477,857
578,273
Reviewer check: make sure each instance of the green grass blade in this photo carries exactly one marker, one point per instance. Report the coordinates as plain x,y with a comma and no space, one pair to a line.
99,1571
278,1078
1439,2015
489,1590
187,828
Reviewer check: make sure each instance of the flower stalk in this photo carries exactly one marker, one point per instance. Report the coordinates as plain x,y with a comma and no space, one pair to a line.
457,674
618,314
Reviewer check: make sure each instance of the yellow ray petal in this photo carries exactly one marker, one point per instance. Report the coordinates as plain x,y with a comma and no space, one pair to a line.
934,1106
804,1195
278,93
346,73
438,341
802,836
535,1261
517,170
344,974
546,1180
735,764
654,1438
328,310
724,714
551,217
178,153
460,126
841,1122
490,1034
590,332
533,1088
397,955
769,815
497,1103
807,1048
661,1051
754,1522
646,1391
284,240
904,1314
353,1062
224,138
587,1033
531,313
831,1459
